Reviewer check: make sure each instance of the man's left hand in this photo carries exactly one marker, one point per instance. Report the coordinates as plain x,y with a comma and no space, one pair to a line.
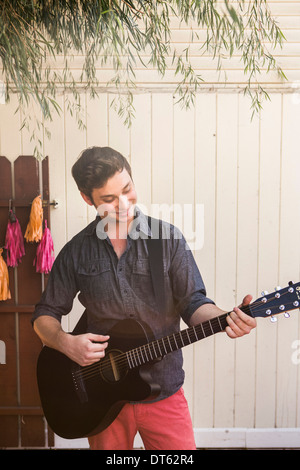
239,323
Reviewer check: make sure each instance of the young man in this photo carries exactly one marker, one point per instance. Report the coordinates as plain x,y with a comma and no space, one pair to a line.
108,265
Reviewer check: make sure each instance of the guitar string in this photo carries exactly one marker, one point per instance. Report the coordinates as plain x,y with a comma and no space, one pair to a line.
260,302
135,353
122,359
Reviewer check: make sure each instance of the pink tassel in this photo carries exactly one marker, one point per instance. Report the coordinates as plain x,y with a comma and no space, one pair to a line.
45,252
14,243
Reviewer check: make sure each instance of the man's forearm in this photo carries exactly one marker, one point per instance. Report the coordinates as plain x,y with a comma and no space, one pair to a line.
239,322
204,313
50,332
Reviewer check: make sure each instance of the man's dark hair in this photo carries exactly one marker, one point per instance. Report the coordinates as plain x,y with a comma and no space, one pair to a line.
95,166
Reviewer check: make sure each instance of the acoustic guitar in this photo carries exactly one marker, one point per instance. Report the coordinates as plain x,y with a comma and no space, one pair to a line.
82,401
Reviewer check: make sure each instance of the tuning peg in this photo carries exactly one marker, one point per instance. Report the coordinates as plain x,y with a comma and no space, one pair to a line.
277,288
287,315
264,292
273,319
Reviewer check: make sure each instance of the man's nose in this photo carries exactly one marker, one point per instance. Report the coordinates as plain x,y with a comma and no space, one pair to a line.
123,202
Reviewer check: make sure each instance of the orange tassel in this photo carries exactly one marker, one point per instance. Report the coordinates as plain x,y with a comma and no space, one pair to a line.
4,279
34,230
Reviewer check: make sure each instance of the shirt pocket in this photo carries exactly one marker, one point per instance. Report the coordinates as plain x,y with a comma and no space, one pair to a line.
96,281
141,281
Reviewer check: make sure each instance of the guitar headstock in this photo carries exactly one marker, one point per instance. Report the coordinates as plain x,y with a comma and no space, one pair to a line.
279,301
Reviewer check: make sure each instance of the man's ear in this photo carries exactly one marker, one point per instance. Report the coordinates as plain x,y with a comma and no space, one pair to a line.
86,199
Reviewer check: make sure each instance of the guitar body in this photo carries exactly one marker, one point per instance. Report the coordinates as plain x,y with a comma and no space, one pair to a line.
82,401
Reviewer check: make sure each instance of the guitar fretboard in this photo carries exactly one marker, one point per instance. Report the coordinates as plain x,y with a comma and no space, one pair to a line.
159,348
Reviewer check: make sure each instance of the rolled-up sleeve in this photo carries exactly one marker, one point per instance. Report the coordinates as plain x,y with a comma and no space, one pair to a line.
57,299
187,284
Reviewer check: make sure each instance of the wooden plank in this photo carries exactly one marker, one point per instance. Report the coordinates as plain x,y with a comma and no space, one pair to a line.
9,434
150,78
201,61
184,198
247,251
97,121
12,308
10,123
141,163
33,431
46,190
23,203
27,186
162,150
8,371
20,410
287,410
226,237
76,207
6,194
10,146
268,242
205,187
54,147
118,133
75,142
30,345
5,179
96,130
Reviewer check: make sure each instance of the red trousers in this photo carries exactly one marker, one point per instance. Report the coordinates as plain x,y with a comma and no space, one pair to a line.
163,425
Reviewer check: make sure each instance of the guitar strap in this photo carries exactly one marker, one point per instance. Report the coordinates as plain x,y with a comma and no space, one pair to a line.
155,251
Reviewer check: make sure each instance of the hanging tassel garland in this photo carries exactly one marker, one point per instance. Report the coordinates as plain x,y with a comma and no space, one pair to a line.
14,243
45,253
34,230
4,279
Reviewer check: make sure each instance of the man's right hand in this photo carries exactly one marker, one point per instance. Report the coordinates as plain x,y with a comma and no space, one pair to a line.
86,349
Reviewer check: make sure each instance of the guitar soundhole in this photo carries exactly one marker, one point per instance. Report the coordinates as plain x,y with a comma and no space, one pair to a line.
113,368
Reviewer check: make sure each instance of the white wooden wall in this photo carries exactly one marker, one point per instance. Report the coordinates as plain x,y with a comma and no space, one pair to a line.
246,175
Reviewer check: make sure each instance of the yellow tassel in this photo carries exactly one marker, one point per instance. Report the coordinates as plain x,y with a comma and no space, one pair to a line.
34,230
4,279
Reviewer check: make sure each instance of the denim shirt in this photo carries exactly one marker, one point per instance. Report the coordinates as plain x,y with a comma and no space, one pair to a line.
112,288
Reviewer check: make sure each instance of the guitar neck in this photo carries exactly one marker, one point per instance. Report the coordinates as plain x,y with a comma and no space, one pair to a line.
158,348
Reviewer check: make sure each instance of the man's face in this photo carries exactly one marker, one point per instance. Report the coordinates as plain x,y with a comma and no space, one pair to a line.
116,199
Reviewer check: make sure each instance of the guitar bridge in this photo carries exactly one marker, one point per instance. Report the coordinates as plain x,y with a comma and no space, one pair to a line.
79,385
